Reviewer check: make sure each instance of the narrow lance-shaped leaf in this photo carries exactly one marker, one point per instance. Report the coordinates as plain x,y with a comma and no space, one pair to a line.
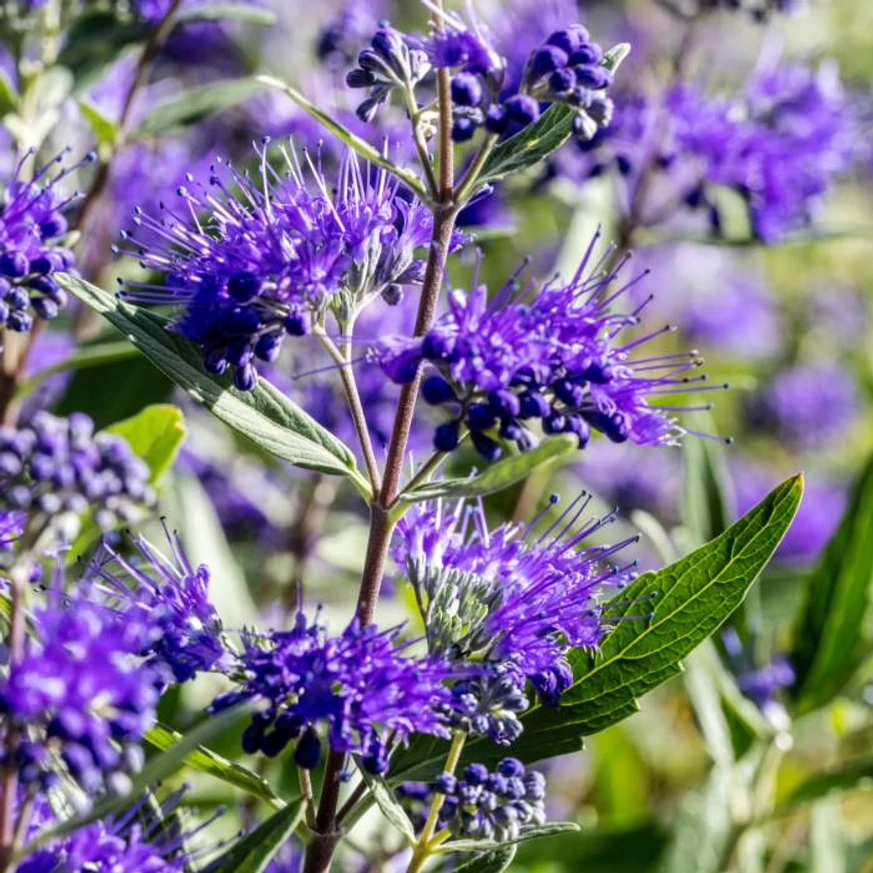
254,851
495,861
156,770
206,761
688,600
547,134
341,132
265,415
832,630
497,476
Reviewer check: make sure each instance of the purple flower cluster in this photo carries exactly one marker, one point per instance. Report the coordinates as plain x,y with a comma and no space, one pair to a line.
392,61
11,527
252,267
779,145
172,596
80,694
56,469
130,843
511,601
807,407
361,685
482,804
551,356
32,228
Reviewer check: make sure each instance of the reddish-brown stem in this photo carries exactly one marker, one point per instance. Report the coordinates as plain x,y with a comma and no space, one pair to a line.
320,851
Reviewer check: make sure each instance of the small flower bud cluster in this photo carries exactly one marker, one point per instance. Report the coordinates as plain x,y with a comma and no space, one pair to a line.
484,805
489,705
393,60
32,226
569,68
58,468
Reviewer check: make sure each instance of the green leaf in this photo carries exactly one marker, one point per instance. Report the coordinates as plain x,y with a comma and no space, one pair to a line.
495,861
156,770
254,851
828,843
530,146
362,147
156,434
104,129
851,776
689,599
195,104
206,761
537,141
534,832
497,476
265,415
832,629
9,98
226,12
389,805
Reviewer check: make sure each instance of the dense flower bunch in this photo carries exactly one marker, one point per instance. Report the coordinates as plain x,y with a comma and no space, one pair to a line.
779,145
362,685
80,694
568,68
483,804
32,232
508,600
58,468
271,259
552,356
172,596
130,843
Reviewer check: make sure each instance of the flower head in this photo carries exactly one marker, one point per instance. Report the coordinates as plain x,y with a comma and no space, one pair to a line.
80,693
32,232
172,596
553,356
482,804
513,601
361,685
55,469
272,258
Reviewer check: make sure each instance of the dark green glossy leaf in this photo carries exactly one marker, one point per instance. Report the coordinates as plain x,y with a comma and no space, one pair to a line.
707,501
496,476
156,434
191,106
495,861
206,761
265,415
534,832
341,132
254,851
389,805
832,631
688,600
530,146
